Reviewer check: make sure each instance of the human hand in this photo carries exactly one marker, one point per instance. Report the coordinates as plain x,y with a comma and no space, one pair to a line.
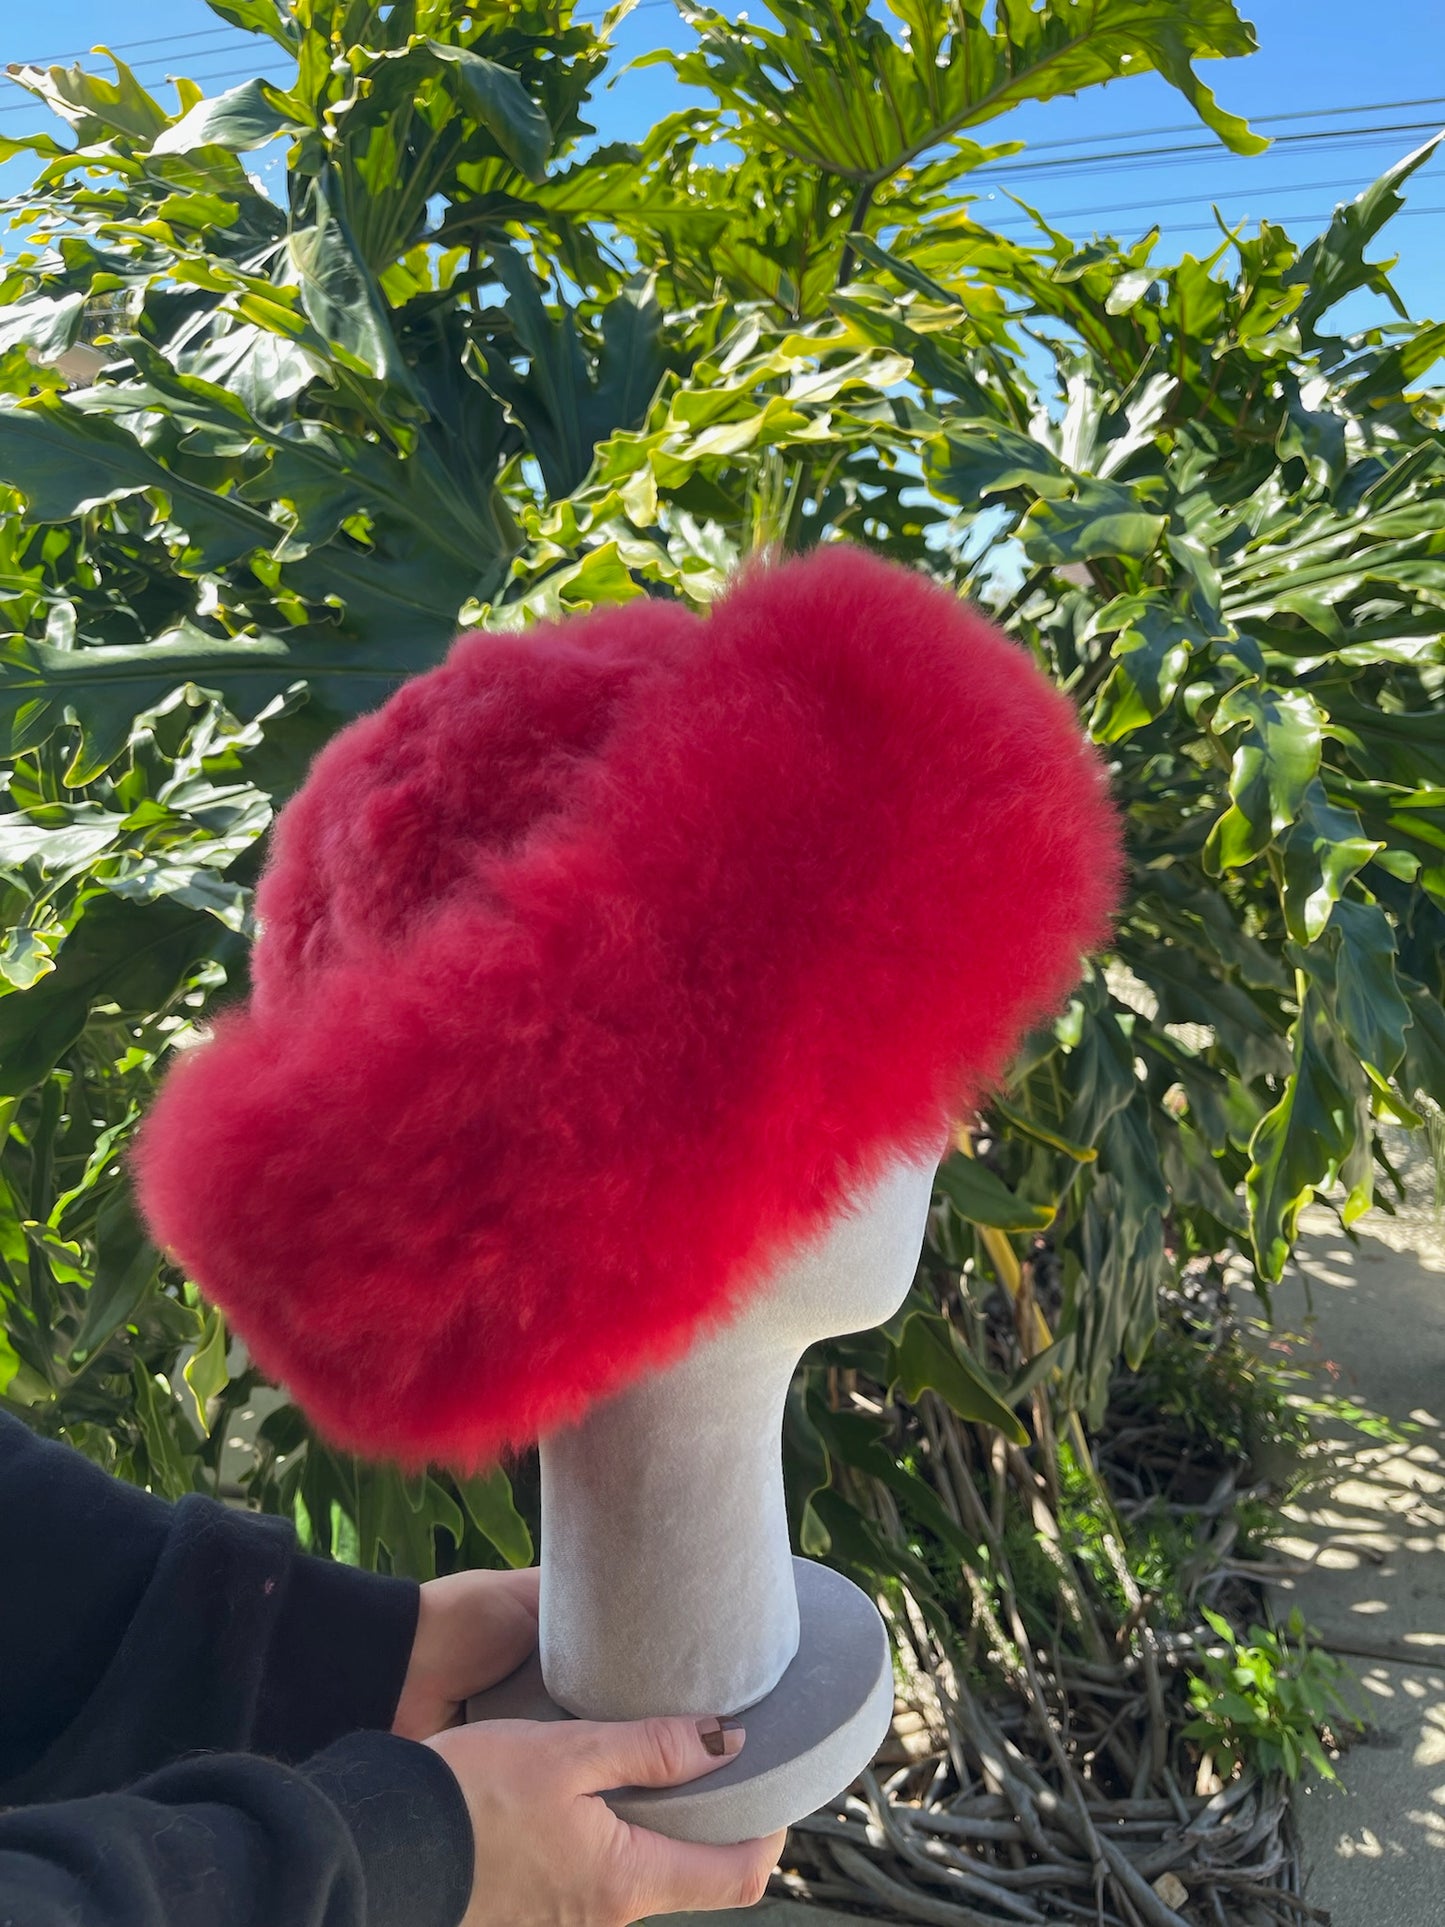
551,1853
472,1629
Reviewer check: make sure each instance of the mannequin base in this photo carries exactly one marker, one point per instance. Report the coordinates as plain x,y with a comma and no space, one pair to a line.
809,1739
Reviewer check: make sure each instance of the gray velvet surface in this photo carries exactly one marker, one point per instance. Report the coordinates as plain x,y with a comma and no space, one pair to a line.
667,1576
806,1740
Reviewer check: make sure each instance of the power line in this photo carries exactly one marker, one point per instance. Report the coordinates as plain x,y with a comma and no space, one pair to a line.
1087,163
1192,200
1192,227
1035,147
221,33
123,46
645,6
1258,120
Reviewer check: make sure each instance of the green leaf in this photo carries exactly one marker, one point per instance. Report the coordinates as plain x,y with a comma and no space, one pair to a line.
242,118
976,1194
125,1268
97,109
832,87
1029,1126
168,1470
487,1497
9,1363
1299,1146
1151,652
126,954
1398,368
1369,1004
1276,761
1424,1066
806,1472
66,460
205,1372
271,17
1103,519
108,689
26,956
567,405
929,1358
1335,264
854,1439
339,292
45,324
975,459
1325,847
503,106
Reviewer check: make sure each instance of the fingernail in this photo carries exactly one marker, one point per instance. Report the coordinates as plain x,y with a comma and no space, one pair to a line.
721,1738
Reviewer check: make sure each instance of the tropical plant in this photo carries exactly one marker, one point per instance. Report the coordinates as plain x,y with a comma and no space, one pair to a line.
1268,1695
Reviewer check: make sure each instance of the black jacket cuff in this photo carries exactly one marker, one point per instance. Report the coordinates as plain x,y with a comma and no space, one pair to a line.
411,1826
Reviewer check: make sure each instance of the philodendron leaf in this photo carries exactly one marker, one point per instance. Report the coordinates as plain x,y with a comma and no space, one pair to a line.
806,1472
45,324
930,1358
168,1471
1042,1132
1325,847
125,1267
1424,1066
340,294
205,1372
1151,654
1103,519
858,1440
976,1194
1276,760
487,1497
1335,264
126,954
242,118
504,107
974,459
1369,1003
271,17
107,689
1299,1146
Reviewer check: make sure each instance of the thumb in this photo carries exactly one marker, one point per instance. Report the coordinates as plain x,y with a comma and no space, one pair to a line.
596,1755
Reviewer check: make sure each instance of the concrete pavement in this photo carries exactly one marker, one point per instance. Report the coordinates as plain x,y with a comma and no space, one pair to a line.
1374,1544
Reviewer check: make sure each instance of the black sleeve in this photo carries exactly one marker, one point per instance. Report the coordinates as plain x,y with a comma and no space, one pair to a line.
132,1631
373,1832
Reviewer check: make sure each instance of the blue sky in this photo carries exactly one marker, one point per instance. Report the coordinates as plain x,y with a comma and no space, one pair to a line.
1387,63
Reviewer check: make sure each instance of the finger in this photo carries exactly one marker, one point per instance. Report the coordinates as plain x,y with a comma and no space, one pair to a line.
595,1755
677,1876
525,1585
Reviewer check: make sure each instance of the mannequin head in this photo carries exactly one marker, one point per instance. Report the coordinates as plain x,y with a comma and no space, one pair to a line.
854,1275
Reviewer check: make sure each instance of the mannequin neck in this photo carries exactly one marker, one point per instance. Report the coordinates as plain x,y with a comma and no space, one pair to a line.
667,1577
664,1519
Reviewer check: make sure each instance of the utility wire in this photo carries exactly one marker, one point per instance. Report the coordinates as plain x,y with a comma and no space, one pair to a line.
1034,147
221,33
644,6
1107,162
1021,224
123,46
1256,120
1085,163
1187,200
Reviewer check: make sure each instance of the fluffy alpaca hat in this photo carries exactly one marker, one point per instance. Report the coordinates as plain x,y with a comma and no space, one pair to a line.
600,967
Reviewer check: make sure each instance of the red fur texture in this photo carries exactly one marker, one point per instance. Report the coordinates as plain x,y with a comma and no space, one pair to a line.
598,968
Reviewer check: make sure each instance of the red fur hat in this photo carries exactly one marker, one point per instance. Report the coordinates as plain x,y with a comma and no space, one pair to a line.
598,968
